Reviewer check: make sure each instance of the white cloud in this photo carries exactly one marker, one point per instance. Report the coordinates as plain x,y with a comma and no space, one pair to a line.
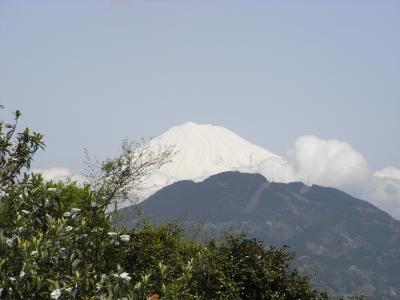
277,169
384,192
328,162
317,161
388,172
58,173
337,164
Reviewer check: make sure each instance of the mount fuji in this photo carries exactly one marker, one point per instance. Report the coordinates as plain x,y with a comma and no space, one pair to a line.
349,244
203,150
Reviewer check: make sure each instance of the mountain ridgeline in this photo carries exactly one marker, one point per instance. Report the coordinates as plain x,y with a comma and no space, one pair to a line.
344,243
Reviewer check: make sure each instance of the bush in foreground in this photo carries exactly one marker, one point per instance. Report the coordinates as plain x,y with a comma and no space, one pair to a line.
57,244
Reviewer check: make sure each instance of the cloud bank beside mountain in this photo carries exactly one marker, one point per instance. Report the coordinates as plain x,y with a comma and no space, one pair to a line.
384,190
337,164
314,160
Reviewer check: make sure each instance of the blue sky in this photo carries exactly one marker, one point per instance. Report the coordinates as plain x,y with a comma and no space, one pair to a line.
89,73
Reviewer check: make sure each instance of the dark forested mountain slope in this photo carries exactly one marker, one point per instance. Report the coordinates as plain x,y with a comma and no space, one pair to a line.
350,245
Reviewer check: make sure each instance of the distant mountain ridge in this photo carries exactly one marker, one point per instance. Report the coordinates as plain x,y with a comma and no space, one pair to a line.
351,245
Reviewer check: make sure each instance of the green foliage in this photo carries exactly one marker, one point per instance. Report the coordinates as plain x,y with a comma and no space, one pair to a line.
113,179
16,149
57,242
247,270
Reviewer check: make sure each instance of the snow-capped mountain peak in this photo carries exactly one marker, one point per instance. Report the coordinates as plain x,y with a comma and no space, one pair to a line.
204,150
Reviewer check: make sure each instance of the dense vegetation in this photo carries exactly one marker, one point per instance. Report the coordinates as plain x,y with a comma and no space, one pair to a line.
57,240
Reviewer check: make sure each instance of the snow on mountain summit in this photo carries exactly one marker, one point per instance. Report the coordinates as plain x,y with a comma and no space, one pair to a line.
204,150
